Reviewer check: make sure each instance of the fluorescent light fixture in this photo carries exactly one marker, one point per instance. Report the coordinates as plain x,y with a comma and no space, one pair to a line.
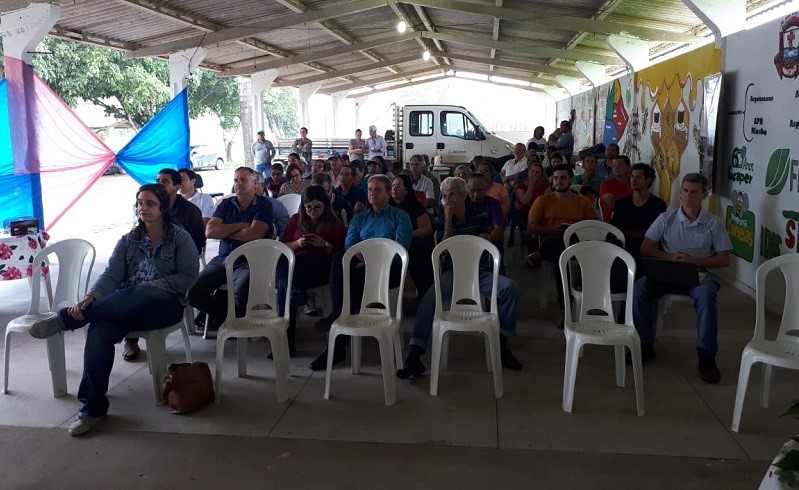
402,26
426,55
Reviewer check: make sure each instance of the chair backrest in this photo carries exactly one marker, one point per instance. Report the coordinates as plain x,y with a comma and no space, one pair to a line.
465,251
591,229
292,203
72,255
789,266
378,254
596,259
262,257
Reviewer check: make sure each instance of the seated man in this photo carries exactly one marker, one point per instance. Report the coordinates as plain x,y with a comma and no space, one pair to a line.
279,210
634,214
421,182
347,190
461,218
693,235
339,204
238,219
552,213
188,189
589,175
614,188
380,220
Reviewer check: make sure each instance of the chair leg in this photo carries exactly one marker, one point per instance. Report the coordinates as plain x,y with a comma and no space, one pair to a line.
638,373
156,355
740,392
355,350
241,355
435,360
621,369
58,365
280,355
399,362
496,361
220,354
331,345
570,373
7,358
187,323
489,358
445,350
765,388
387,364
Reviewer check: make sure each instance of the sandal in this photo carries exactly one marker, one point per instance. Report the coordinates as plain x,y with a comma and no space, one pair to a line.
131,350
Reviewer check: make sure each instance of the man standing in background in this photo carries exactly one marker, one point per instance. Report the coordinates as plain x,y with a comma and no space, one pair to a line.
263,151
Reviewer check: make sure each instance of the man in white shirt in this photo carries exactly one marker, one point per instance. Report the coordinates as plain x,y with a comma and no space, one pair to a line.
375,145
516,165
188,189
421,182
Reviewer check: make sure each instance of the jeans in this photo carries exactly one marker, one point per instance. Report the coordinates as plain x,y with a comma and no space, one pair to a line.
550,252
201,295
310,271
111,318
357,277
507,303
645,300
264,168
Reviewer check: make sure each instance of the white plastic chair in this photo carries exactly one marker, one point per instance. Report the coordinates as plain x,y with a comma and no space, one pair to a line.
784,350
292,203
466,309
596,324
663,307
375,318
589,230
261,318
156,348
72,255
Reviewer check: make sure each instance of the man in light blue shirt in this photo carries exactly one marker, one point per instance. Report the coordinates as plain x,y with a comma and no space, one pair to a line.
379,220
687,234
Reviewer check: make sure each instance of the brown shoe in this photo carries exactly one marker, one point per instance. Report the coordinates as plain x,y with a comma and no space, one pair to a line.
131,350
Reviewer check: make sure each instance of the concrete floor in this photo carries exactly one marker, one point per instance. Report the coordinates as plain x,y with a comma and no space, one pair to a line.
463,438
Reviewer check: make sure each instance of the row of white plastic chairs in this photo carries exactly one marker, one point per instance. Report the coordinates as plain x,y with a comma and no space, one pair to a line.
592,322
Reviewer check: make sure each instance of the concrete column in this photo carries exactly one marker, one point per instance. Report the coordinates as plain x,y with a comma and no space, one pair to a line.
260,81
337,99
306,91
24,29
594,72
181,65
358,103
723,17
634,51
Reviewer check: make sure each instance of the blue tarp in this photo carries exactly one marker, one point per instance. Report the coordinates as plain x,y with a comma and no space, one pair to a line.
162,142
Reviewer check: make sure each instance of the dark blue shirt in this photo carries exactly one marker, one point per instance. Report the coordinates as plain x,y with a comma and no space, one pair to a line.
354,196
340,203
228,211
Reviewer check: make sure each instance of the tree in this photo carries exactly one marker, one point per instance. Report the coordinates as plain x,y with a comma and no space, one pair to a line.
131,90
209,94
280,109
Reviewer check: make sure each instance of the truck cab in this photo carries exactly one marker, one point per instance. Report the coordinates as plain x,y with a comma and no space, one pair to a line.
450,132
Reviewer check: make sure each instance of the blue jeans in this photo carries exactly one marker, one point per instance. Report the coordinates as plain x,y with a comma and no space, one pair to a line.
264,168
645,300
111,318
202,297
507,303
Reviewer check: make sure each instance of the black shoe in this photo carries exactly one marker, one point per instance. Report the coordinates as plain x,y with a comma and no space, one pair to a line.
339,354
647,354
414,369
509,361
707,368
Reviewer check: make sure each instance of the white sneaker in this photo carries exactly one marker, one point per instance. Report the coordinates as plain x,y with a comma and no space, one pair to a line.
82,425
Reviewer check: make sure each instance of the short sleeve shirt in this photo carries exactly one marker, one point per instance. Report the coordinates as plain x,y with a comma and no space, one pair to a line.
204,202
425,185
701,238
628,216
513,167
353,196
612,185
228,211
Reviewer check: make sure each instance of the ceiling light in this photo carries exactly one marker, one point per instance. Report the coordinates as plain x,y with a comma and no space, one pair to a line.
402,26
426,55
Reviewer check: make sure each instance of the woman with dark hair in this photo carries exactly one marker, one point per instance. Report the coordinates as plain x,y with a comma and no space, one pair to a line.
527,192
315,234
419,267
143,288
295,184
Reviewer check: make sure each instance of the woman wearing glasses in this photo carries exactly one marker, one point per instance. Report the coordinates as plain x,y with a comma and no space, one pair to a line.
419,267
315,234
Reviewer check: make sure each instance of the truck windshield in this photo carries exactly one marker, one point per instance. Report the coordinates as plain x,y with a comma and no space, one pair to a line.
477,122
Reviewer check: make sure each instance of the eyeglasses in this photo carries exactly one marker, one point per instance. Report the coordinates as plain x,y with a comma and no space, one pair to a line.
314,207
397,186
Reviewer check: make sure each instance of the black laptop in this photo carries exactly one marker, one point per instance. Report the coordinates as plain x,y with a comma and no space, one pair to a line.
672,272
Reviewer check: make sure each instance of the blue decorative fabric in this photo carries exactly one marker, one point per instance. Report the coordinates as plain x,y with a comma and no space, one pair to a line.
15,200
162,142
6,158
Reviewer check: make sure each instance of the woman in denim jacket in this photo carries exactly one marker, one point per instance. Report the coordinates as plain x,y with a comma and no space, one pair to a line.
143,288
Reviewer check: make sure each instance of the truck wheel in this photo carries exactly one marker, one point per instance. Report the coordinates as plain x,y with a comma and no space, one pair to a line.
219,164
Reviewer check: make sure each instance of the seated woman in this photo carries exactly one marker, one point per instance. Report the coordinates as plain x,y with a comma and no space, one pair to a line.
295,184
315,234
143,288
526,194
419,265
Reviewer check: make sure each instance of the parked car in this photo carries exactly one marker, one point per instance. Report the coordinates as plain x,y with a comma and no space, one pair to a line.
204,156
114,169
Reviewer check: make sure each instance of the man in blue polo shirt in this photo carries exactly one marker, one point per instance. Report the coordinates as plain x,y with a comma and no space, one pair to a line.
238,219
349,191
688,234
379,220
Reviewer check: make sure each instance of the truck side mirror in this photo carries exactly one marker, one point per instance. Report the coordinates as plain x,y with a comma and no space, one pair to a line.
478,134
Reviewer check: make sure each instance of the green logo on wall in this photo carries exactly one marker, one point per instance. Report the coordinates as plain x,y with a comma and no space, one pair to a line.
777,171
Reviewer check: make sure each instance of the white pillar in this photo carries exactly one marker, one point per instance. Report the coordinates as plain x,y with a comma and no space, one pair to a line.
24,29
337,99
358,104
723,17
306,91
260,81
181,65
634,51
594,72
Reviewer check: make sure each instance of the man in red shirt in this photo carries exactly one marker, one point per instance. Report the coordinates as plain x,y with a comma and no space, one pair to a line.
616,187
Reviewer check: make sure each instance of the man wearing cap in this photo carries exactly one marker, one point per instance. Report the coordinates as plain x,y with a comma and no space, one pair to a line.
263,151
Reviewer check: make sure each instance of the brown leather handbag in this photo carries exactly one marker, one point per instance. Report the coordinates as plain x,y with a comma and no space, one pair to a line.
188,387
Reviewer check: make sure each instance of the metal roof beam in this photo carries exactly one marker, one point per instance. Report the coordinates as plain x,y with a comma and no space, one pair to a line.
260,27
518,65
568,23
540,81
428,70
398,86
342,73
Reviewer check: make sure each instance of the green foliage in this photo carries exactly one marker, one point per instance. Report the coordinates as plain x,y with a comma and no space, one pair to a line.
209,94
280,108
130,90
